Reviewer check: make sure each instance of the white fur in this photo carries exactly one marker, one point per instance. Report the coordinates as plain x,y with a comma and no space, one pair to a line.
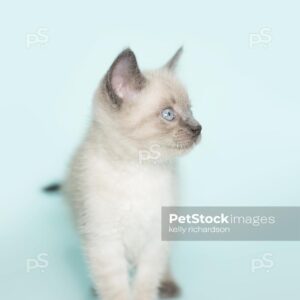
118,208
117,199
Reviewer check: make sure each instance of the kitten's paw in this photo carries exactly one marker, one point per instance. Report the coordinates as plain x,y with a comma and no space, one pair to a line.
169,289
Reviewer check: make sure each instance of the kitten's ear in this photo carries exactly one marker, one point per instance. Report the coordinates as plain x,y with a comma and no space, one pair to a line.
124,79
172,63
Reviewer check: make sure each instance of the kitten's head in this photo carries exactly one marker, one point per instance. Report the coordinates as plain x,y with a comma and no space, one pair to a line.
143,110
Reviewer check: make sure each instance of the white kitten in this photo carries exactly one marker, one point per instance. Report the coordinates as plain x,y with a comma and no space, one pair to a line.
123,173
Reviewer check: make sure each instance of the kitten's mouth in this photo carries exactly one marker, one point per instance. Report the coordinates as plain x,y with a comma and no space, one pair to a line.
183,146
186,144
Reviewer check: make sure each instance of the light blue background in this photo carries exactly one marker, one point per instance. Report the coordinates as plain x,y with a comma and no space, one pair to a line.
247,99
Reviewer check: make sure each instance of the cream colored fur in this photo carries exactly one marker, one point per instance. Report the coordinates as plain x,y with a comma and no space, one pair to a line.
117,186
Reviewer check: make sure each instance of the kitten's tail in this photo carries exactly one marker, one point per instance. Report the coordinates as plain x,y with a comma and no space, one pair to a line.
52,188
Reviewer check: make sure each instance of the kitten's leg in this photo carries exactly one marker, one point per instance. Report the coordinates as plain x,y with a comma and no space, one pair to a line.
150,269
108,267
168,287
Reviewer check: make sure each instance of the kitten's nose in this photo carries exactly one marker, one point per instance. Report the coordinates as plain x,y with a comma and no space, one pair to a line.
196,130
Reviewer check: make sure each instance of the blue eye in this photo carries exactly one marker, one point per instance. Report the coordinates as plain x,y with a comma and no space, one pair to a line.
168,114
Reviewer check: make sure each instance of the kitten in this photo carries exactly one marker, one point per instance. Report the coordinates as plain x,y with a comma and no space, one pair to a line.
124,172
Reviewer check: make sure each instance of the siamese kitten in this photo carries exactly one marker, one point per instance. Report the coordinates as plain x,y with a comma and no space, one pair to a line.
124,172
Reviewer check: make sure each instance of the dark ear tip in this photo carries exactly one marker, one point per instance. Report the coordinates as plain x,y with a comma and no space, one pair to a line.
172,63
179,51
127,52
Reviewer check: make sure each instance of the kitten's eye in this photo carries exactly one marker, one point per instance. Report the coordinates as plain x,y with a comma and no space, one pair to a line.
168,114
